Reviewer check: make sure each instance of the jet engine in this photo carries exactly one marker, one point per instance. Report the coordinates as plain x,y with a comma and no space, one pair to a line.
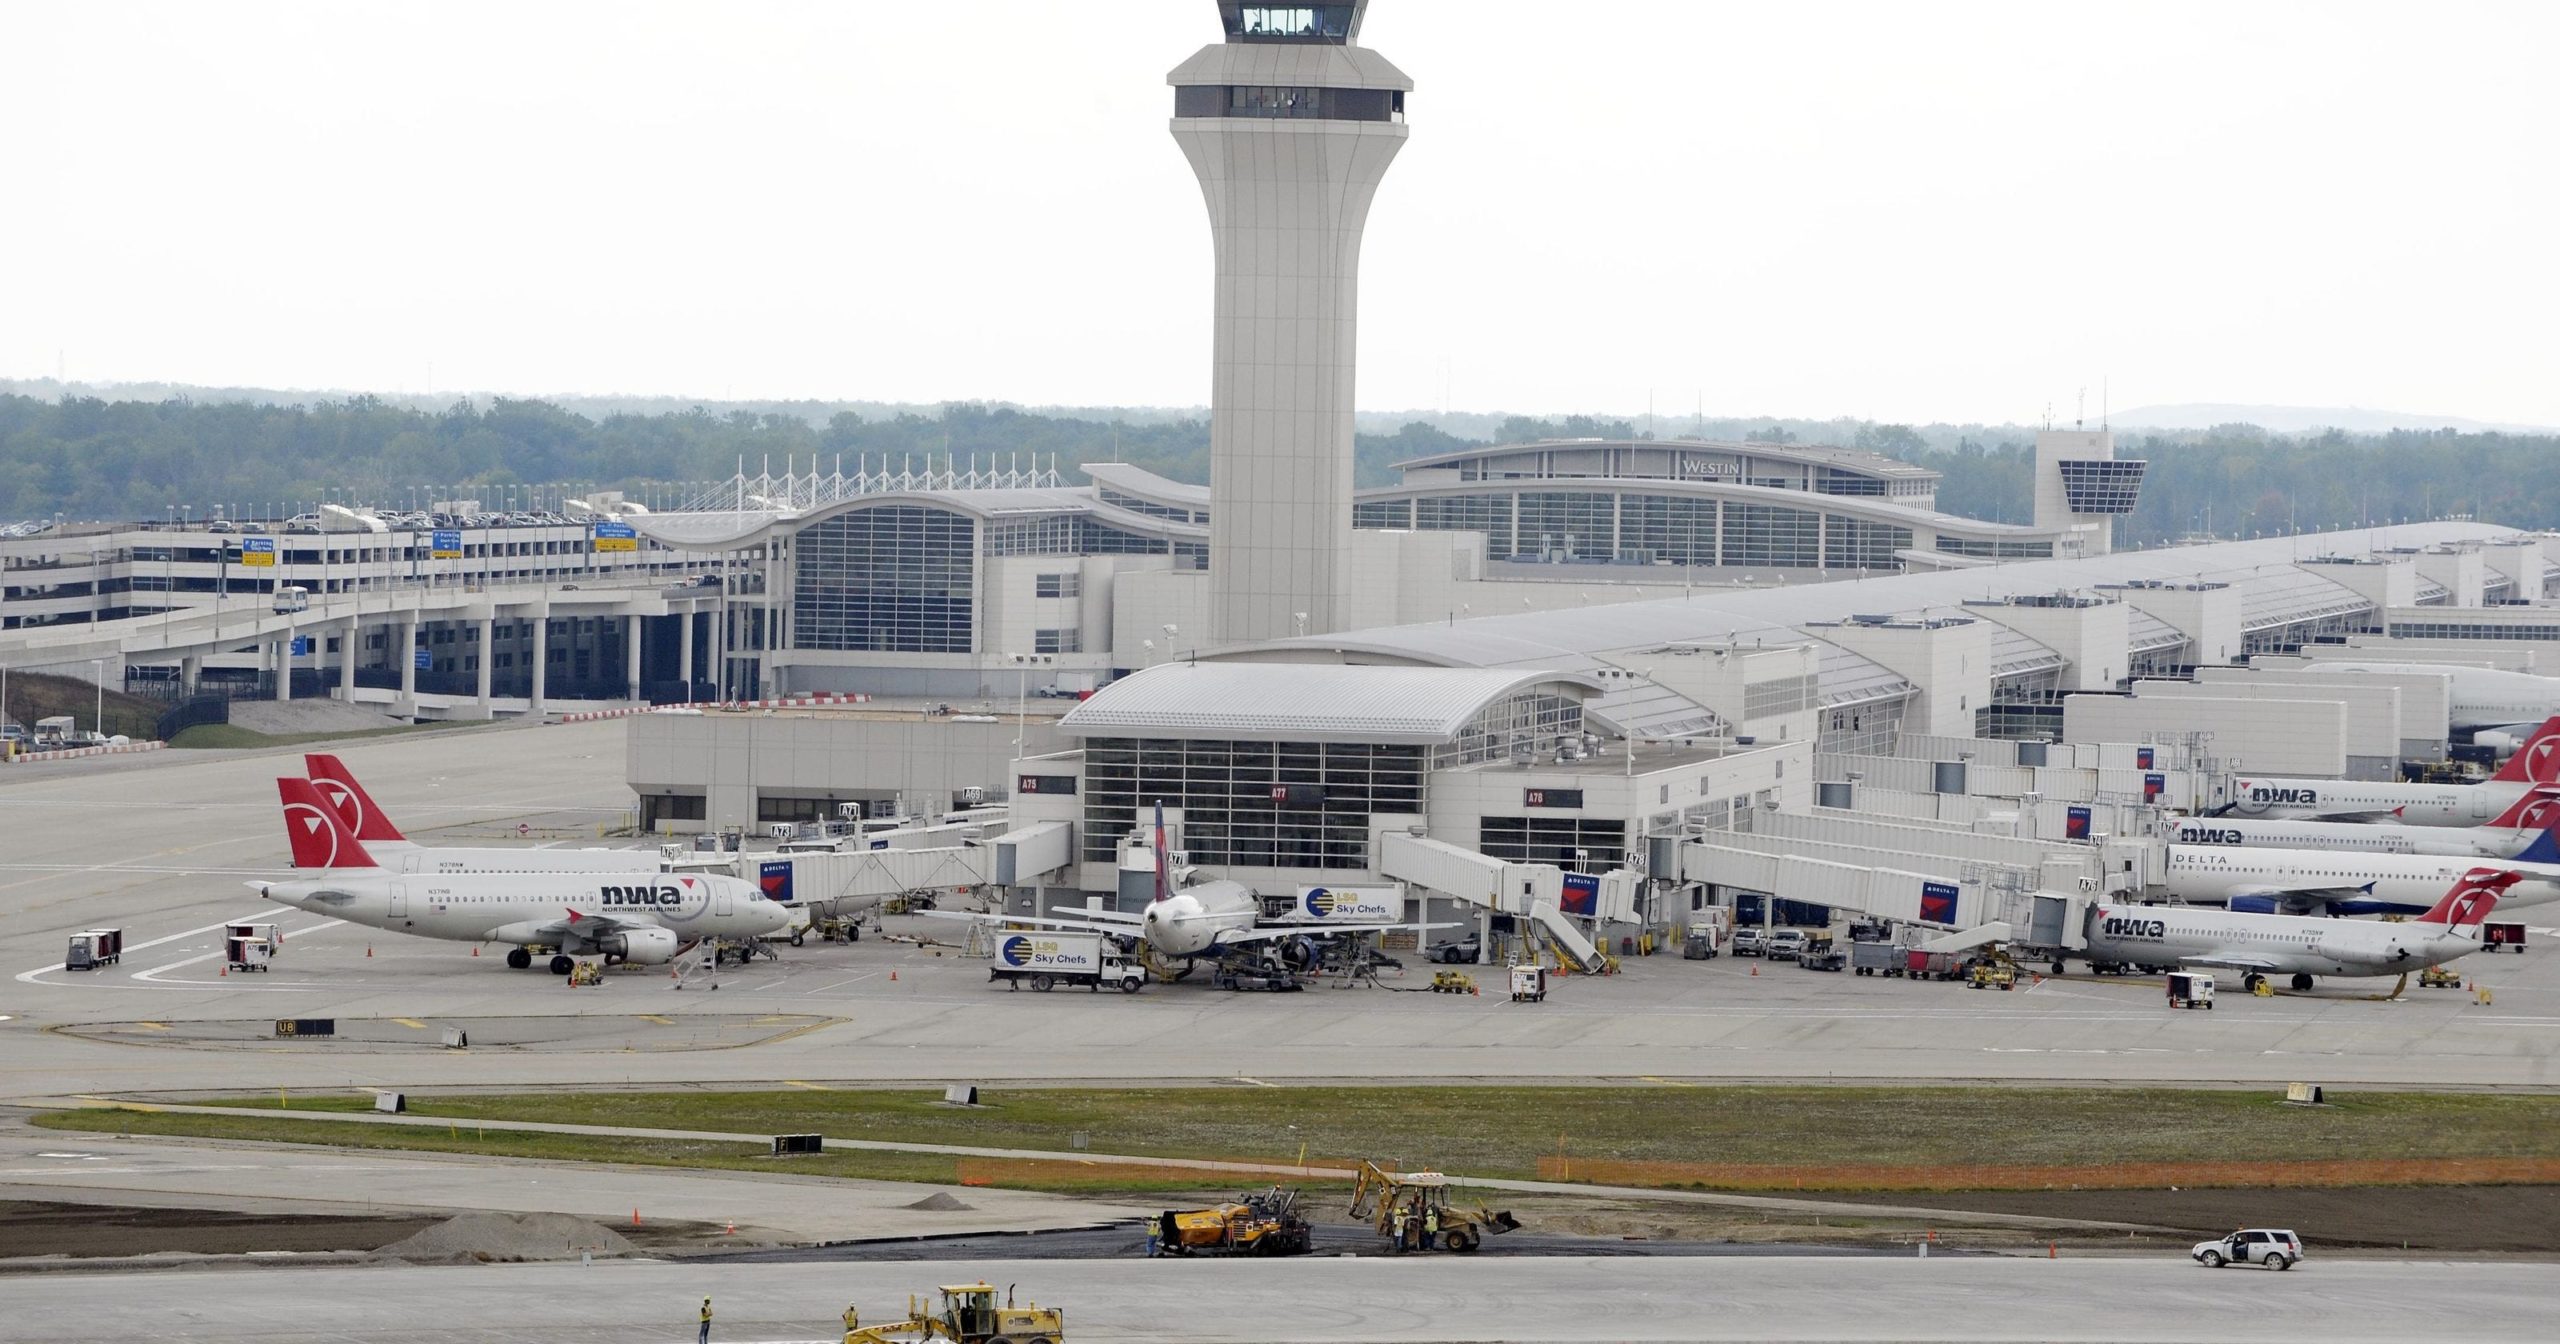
647,947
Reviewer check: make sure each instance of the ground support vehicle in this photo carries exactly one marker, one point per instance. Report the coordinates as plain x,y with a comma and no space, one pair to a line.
2190,989
1704,937
1457,951
1403,1207
1265,1224
1256,976
1452,982
587,973
2501,937
92,948
1528,984
1921,965
1785,945
1875,959
1750,943
969,1315
2274,1248
1993,975
2439,977
1045,960
1827,959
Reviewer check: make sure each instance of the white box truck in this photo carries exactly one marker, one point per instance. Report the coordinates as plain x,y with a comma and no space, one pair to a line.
1046,960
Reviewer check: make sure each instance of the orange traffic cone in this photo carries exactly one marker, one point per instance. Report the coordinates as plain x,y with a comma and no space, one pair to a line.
475,950
368,949
226,969
733,1228
893,975
1755,969
635,1217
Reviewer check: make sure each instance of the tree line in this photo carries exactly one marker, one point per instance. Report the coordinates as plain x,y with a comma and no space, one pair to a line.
88,458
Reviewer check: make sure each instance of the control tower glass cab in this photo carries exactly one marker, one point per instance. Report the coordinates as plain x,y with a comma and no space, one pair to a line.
1290,127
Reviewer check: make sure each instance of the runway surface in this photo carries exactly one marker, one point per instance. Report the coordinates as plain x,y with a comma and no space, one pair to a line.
162,844
1323,1300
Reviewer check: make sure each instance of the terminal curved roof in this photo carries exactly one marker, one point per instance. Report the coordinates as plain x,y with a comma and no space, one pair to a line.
1774,615
1855,460
1293,702
731,530
1868,508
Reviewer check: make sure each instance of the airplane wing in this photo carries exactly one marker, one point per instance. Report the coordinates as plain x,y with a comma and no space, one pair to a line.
2230,961
1081,925
2309,899
1104,916
1266,932
590,926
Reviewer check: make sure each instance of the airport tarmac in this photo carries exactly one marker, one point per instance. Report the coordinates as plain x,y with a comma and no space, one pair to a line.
1321,1300
163,844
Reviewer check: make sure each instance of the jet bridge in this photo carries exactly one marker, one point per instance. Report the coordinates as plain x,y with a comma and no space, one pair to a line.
848,883
1531,891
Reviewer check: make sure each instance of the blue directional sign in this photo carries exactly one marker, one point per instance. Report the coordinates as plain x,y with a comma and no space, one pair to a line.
257,550
616,537
445,544
301,645
426,661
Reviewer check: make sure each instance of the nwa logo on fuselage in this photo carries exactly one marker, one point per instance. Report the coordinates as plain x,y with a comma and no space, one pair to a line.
2268,795
2211,835
655,898
2133,926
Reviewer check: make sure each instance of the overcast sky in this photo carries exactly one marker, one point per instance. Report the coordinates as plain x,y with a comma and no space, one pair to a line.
1897,211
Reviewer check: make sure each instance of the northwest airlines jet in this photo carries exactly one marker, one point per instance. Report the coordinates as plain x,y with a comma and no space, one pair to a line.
2262,945
398,853
639,915
2498,708
2536,763
2523,831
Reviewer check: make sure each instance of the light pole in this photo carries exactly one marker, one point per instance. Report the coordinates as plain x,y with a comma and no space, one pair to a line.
100,666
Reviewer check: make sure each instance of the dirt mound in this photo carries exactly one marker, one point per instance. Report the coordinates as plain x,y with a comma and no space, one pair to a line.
508,1236
940,1202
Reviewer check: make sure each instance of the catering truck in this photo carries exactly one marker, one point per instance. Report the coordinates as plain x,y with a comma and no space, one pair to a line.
1046,959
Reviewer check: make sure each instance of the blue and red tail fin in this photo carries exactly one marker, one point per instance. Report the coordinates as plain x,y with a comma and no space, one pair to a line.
2473,896
2538,760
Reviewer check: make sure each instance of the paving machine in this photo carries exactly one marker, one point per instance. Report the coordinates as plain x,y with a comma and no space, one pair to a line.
1265,1224
969,1315
1401,1206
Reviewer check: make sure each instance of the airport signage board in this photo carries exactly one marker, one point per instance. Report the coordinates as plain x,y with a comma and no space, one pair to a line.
1551,798
2075,824
1359,905
1581,894
445,543
773,877
301,645
260,551
2153,786
2144,758
1044,784
424,660
616,537
1938,902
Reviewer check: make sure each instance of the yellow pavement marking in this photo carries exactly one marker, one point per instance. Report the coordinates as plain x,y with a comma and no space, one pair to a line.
661,1021
814,1087
410,1022
153,1026
1666,1082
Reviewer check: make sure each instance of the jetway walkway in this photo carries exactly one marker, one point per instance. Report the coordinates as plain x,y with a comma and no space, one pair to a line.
1531,891
855,881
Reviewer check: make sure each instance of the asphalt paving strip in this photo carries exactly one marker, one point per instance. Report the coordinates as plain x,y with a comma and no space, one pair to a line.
1129,1241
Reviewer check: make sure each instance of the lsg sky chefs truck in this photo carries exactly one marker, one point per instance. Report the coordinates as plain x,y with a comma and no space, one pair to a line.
1047,960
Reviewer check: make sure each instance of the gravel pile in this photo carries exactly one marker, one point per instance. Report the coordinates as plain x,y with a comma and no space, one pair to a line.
940,1202
508,1236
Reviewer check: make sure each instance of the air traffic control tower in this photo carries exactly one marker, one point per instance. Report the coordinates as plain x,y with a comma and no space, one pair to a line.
1290,126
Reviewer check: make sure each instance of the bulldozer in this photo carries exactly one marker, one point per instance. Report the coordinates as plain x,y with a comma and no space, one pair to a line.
1265,1224
1404,1206
969,1315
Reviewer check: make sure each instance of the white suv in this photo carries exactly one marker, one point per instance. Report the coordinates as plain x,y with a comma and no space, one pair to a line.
1786,945
2272,1247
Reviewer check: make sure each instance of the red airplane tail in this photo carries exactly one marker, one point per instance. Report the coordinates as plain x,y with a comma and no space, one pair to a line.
320,838
2471,900
2538,760
2536,809
354,806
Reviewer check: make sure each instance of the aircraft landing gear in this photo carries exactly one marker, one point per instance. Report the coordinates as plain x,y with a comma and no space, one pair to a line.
2251,981
2301,981
563,964
519,957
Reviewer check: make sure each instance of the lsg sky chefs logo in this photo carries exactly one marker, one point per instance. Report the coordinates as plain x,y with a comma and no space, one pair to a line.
1350,903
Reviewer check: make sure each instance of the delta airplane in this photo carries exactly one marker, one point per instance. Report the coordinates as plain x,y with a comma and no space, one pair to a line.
2262,945
398,853
1209,919
2499,709
2525,825
639,914
2536,763
2302,881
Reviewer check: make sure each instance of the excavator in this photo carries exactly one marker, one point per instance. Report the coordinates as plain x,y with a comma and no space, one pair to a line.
969,1315
1401,1206
1265,1224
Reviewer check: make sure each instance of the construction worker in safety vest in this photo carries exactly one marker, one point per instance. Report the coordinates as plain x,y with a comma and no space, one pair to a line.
1430,1229
1400,1221
703,1335
852,1320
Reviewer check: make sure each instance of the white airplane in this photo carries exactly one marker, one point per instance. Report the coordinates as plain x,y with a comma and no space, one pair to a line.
639,914
398,853
2301,881
1205,920
2262,945
2536,763
2499,709
2528,819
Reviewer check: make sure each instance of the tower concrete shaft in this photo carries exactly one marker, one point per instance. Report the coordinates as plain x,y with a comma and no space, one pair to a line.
1290,128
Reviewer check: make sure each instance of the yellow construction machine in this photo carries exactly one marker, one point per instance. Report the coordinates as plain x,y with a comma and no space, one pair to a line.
969,1315
1407,1207
1265,1224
